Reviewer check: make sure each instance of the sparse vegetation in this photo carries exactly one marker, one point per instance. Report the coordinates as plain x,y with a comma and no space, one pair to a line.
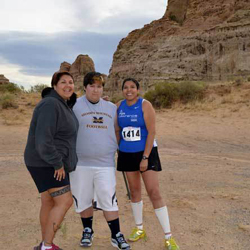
10,88
172,17
33,99
165,94
17,104
14,88
191,91
11,93
7,100
238,82
38,88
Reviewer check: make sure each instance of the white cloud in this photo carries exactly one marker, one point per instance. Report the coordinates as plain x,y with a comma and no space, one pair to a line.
14,74
34,15
113,16
72,15
30,55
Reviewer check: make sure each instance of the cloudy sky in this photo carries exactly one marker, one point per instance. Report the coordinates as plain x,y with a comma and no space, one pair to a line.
36,36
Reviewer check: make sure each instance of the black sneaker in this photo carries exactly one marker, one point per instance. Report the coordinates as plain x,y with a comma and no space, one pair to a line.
120,242
87,237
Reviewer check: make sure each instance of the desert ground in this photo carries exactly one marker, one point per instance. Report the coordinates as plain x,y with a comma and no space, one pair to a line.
204,149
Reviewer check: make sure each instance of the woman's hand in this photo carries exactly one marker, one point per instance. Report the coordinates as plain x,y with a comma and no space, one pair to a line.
144,165
59,174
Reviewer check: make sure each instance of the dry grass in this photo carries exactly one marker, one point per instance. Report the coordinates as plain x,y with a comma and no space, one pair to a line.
232,97
31,99
21,112
224,95
12,119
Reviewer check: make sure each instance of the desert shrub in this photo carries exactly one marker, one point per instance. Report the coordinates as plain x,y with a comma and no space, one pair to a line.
248,79
32,99
8,101
238,82
172,17
10,87
165,94
38,88
190,91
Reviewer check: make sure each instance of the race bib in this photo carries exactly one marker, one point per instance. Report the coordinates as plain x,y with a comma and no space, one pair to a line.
131,134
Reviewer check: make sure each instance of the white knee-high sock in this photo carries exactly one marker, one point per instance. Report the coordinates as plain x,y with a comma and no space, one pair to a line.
137,208
162,215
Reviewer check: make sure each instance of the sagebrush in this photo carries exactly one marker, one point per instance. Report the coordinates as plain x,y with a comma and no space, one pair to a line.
165,94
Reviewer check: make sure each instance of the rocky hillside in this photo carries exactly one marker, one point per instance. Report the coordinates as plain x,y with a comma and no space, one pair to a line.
79,68
194,40
3,79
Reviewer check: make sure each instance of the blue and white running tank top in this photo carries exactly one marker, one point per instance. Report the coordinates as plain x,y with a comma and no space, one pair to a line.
133,134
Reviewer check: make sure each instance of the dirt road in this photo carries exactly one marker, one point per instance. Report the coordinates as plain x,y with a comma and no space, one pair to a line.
205,182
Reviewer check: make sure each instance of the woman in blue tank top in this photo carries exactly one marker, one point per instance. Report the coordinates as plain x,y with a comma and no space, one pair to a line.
138,157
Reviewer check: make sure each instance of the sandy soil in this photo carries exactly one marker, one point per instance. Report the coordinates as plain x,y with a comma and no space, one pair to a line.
205,182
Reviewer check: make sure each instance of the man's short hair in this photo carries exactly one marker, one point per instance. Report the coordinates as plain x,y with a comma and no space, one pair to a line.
93,77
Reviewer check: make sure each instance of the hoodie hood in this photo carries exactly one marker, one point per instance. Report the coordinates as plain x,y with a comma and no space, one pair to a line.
51,92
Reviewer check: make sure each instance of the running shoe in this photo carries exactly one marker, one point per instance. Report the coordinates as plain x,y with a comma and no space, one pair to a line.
40,247
56,247
137,234
170,244
120,242
87,237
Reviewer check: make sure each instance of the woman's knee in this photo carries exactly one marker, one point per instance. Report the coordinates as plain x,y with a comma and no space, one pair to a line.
69,201
135,193
64,202
47,200
154,195
62,199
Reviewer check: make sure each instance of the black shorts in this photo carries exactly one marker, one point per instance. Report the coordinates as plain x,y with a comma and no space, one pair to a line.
44,178
129,162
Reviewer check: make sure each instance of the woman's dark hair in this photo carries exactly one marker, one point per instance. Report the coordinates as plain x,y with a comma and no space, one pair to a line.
132,80
57,76
92,77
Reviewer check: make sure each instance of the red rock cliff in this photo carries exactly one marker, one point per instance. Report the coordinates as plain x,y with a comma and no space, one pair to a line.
81,66
194,40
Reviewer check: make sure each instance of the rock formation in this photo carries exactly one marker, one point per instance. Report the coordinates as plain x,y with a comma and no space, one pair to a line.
82,65
194,40
3,79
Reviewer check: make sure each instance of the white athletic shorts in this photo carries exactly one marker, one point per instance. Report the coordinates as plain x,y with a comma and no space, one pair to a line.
89,183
